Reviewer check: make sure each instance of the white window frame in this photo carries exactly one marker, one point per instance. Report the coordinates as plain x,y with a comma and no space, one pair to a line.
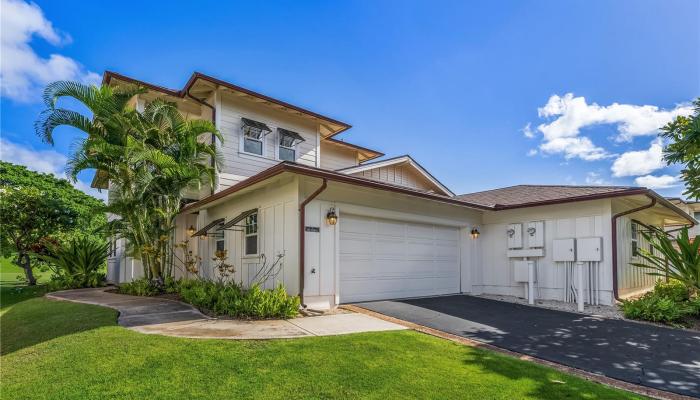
243,139
246,235
279,146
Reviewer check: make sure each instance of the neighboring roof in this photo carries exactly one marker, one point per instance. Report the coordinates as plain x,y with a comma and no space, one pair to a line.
395,161
523,195
331,176
334,126
365,153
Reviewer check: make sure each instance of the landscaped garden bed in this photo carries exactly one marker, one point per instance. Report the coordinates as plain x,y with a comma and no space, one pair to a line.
218,298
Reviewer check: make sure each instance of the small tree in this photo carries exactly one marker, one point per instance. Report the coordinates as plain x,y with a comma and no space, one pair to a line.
684,148
28,219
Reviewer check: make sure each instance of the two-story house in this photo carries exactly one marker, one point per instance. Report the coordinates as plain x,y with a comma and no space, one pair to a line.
294,204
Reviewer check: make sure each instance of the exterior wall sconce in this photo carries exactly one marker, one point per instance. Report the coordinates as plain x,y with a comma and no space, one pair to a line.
190,231
474,233
332,217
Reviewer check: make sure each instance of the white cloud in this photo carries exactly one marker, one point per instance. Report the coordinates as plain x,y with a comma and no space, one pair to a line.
594,178
45,161
573,113
574,147
657,182
570,114
528,132
532,152
22,71
640,162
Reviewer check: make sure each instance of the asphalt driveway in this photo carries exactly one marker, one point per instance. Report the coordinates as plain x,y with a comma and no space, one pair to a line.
662,358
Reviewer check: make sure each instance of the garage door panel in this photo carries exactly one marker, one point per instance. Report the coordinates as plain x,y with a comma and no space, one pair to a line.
384,259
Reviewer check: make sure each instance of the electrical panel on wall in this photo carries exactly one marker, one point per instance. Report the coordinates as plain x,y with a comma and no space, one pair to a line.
515,236
564,250
535,234
589,249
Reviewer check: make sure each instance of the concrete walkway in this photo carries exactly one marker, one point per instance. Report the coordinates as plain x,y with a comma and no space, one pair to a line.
643,354
159,316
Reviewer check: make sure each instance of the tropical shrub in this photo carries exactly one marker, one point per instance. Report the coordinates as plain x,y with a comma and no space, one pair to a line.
79,263
668,303
223,298
677,259
148,157
139,287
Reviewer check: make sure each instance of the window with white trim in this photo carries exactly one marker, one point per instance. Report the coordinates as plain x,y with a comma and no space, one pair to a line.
287,144
250,235
252,141
253,136
287,149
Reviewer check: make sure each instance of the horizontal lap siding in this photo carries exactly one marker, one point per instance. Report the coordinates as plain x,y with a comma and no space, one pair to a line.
334,158
238,166
398,175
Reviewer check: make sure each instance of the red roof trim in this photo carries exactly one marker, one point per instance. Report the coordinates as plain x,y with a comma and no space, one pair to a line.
109,75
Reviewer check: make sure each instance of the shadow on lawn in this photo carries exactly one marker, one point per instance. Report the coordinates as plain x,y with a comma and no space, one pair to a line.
28,321
544,384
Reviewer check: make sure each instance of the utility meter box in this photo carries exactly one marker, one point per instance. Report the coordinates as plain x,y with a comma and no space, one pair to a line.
535,234
514,233
564,250
589,249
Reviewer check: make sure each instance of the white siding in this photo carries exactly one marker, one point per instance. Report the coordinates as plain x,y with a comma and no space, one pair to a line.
495,275
335,157
399,175
630,279
238,165
278,234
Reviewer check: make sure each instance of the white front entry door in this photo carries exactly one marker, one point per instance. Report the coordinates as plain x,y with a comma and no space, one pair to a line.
389,259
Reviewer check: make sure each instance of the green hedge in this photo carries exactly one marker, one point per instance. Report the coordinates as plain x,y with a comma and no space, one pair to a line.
227,299
669,303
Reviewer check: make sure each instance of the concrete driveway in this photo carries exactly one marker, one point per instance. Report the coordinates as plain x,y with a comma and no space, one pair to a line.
657,357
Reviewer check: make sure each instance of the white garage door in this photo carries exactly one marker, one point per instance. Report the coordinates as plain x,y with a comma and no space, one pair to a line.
387,259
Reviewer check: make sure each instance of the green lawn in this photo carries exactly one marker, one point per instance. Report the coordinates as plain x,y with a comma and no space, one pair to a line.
9,273
61,350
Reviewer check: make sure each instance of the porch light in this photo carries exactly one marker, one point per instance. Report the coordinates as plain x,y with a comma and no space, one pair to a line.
474,233
191,230
332,217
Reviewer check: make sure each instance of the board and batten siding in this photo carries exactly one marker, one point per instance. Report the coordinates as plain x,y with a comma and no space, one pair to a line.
278,234
495,274
631,279
334,157
398,175
238,165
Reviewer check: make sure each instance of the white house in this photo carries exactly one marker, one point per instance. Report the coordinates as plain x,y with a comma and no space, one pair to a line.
334,225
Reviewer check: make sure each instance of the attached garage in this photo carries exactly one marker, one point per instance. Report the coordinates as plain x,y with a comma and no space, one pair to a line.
389,259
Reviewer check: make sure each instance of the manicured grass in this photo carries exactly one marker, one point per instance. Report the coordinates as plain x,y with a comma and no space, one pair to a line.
9,273
53,350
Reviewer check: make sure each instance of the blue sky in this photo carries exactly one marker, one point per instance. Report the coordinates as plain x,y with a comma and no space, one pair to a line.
458,85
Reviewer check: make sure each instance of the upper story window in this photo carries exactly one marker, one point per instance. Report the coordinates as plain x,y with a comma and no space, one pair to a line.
253,136
696,215
287,145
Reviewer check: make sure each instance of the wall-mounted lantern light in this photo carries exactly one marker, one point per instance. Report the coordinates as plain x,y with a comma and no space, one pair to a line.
190,230
332,217
474,233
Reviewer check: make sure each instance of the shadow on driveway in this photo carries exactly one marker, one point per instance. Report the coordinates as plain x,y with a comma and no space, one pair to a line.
658,357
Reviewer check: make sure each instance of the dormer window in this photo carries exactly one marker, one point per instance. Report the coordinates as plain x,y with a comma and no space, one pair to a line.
253,135
287,146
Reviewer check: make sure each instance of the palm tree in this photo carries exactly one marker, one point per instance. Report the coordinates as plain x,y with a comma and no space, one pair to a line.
149,157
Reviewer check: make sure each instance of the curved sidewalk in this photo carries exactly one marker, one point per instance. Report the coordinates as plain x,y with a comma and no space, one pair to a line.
152,315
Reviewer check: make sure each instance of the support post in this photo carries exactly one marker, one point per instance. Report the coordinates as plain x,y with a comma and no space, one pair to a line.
579,285
531,282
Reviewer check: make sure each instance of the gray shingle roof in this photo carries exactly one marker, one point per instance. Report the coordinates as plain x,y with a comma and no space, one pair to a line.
527,194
